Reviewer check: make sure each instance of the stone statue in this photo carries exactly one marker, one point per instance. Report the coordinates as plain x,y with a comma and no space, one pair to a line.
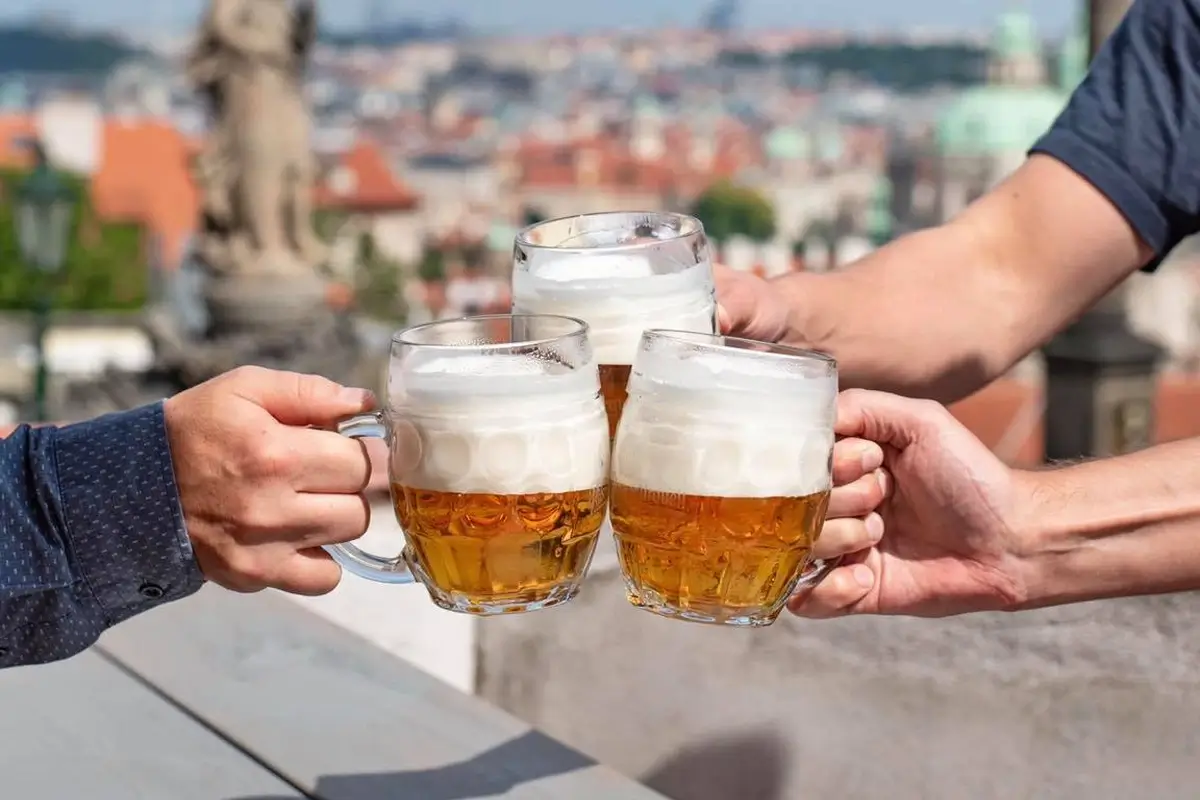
256,172
250,290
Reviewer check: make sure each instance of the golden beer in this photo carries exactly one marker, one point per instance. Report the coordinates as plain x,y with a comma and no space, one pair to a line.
714,559
515,551
614,378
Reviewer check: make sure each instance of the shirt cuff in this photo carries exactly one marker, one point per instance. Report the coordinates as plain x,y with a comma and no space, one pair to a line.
122,513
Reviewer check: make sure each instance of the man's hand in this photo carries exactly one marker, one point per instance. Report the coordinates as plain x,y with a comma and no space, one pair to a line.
948,544
261,491
747,306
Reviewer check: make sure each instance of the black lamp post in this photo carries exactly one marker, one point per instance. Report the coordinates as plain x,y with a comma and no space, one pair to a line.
44,206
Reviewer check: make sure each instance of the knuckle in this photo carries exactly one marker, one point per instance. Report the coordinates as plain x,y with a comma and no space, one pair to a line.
247,373
271,456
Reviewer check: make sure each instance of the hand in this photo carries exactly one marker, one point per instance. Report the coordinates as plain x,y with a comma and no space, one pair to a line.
262,492
949,545
748,306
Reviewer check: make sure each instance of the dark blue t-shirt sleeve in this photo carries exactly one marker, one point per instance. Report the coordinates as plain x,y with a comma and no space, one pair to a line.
1132,128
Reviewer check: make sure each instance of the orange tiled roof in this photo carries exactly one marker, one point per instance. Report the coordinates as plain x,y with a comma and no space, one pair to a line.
373,186
144,178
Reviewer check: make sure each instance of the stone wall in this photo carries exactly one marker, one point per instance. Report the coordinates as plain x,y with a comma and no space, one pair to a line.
1093,701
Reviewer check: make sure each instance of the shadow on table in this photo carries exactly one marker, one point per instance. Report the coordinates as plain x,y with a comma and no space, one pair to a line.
748,766
530,757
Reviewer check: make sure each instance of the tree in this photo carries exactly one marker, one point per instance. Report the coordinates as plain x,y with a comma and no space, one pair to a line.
105,271
378,283
433,265
728,210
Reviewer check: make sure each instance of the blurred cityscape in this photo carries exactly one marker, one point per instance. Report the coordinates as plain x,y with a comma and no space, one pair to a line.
437,144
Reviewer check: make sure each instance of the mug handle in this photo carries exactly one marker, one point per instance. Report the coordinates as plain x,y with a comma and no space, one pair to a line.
353,559
816,571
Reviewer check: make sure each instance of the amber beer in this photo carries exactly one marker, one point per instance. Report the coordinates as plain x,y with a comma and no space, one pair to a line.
714,558
614,378
721,476
514,550
502,506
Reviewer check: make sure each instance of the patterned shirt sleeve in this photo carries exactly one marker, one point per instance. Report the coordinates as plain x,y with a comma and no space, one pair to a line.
91,532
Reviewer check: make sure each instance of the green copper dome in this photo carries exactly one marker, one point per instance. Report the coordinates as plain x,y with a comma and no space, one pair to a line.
1015,36
787,144
998,119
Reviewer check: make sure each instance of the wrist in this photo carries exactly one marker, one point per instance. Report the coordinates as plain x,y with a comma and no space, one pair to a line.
811,300
1114,527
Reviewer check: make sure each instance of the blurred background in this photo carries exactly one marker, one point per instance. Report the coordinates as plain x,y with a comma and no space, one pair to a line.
805,135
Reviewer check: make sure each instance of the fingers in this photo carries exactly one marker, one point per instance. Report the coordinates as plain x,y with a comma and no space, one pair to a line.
885,418
327,519
737,300
377,452
840,537
297,399
310,573
854,458
849,589
861,497
328,462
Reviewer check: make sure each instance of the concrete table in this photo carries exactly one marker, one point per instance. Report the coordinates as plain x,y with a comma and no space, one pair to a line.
230,697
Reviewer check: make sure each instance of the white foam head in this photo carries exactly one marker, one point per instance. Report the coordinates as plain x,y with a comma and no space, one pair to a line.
503,424
717,425
619,295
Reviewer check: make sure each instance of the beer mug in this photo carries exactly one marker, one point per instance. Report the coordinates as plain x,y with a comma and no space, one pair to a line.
498,462
621,272
721,474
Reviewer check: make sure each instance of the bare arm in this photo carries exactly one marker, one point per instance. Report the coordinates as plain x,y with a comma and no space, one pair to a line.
1115,528
942,312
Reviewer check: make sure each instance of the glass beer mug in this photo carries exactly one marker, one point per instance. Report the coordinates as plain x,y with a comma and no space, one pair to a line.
621,272
721,474
498,462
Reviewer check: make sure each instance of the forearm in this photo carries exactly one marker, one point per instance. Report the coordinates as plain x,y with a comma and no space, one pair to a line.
942,312
1113,528
923,317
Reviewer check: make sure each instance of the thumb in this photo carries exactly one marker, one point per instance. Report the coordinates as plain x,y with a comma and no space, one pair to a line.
737,301
294,398
884,418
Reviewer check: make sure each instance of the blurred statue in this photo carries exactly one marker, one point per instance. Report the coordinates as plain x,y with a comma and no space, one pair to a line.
256,171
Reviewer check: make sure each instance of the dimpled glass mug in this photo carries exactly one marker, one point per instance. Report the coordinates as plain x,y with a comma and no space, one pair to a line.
498,462
621,272
721,474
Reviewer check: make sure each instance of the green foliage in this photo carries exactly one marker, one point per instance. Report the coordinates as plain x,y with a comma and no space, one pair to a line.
433,265
894,65
378,283
728,210
107,272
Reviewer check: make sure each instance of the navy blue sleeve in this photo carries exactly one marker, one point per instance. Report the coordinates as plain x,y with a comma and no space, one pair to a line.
91,532
1132,128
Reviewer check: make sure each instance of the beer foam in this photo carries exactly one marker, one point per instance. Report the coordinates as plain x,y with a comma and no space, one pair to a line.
438,379
727,443
498,424
502,445
602,267
618,296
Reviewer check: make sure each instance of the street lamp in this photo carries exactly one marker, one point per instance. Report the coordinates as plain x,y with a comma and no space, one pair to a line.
44,205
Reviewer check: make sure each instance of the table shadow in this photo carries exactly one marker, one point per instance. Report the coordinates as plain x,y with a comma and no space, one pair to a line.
527,758
746,766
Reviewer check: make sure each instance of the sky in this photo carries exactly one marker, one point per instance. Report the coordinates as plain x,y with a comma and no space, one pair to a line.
542,16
